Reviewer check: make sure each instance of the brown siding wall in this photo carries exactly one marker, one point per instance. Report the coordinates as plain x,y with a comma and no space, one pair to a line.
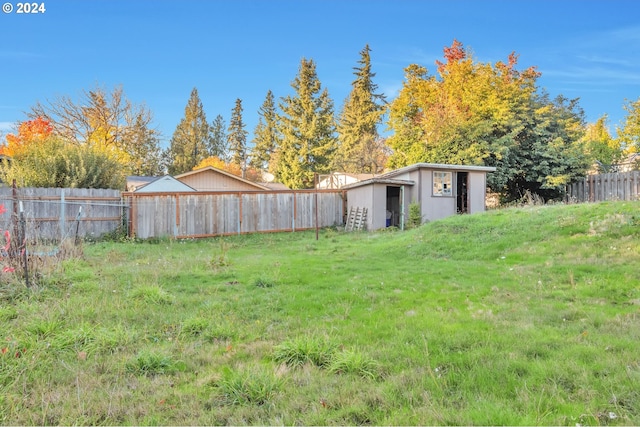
212,181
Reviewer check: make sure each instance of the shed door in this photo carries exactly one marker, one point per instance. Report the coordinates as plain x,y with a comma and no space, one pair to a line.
393,207
462,194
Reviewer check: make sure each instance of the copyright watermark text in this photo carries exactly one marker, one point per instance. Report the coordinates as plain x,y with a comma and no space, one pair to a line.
33,8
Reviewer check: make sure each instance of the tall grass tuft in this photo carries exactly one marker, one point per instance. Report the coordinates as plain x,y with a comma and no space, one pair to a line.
354,362
305,349
256,386
149,363
152,294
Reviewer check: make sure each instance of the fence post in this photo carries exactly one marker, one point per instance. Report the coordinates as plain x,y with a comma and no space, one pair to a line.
13,247
23,240
62,214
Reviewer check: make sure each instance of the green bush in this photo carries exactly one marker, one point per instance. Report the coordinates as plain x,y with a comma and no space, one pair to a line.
60,164
415,215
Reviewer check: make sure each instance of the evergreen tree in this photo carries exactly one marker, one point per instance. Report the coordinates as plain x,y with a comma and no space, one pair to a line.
266,136
144,151
237,137
218,140
360,149
189,144
308,127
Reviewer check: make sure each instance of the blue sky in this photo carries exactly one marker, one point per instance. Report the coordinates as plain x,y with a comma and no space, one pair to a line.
159,50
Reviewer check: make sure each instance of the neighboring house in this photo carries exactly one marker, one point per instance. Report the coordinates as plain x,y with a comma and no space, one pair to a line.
337,180
440,190
213,179
134,182
275,186
164,184
628,164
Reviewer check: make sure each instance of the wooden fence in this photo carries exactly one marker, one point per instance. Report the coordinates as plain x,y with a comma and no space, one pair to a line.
206,214
608,186
57,213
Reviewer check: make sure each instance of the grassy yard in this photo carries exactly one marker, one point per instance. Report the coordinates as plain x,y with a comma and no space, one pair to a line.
522,316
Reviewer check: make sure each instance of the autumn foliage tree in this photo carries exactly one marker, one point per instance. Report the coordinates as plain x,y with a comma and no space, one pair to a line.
475,113
628,135
30,131
108,121
250,173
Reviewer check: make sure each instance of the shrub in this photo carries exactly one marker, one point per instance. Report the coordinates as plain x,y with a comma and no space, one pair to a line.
415,215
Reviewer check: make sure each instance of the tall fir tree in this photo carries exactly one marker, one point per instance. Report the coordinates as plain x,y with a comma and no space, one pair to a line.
189,143
218,140
144,151
266,136
360,148
308,130
237,137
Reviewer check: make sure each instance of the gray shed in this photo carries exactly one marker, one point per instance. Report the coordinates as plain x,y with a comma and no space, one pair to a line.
441,190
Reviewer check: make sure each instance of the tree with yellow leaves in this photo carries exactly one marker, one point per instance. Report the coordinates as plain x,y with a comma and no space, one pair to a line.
474,113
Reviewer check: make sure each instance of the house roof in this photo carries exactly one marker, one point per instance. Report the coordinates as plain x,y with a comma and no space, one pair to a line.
165,183
275,186
133,181
220,171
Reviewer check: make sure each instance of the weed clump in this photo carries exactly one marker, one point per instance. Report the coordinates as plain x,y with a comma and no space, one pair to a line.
149,364
304,350
255,386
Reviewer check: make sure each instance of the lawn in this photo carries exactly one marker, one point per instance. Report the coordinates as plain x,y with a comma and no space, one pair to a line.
520,316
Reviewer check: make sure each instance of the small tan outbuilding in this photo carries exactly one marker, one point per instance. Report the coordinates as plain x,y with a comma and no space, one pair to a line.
440,190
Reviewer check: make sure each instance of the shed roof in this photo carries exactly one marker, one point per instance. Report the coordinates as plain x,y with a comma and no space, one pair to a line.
379,180
437,166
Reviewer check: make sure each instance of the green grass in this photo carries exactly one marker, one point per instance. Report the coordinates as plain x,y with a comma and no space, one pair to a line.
521,316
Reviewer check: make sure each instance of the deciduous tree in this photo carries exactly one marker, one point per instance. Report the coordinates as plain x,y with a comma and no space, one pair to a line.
629,134
307,125
105,120
488,114
30,131
601,148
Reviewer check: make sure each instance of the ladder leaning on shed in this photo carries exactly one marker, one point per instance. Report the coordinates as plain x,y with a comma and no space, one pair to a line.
357,219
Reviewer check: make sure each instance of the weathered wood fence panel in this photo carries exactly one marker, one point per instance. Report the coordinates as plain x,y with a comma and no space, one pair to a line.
205,214
607,186
57,213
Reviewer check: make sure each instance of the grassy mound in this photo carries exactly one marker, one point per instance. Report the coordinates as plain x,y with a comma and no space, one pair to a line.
522,316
